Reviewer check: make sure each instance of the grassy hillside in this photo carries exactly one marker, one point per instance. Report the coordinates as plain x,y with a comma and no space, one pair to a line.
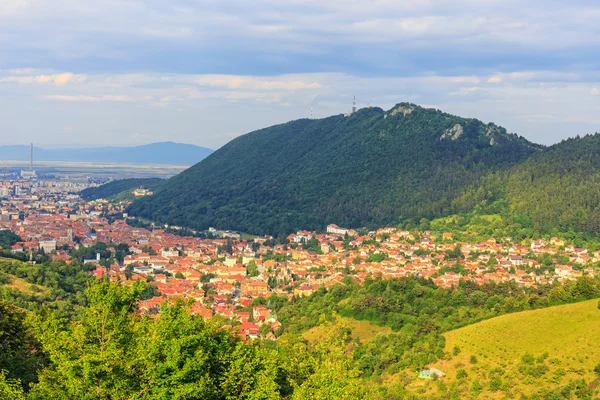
525,351
120,188
372,168
363,330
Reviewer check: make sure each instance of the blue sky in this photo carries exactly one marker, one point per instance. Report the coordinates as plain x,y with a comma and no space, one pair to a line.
126,72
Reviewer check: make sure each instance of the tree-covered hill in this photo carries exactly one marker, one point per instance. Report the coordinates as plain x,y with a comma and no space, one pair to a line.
371,168
555,190
117,187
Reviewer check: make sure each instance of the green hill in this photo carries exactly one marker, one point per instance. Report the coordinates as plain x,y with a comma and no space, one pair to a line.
118,187
372,168
555,190
524,352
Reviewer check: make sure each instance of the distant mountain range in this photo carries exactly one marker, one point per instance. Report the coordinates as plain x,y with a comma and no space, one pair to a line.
154,153
372,168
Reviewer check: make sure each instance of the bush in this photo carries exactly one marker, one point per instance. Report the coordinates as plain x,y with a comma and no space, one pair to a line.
456,350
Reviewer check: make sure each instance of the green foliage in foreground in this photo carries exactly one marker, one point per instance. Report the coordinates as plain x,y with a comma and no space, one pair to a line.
20,355
111,352
108,350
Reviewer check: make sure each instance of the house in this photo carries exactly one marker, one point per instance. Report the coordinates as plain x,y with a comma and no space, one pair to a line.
430,373
92,260
516,260
563,271
249,330
259,313
304,290
336,230
254,286
47,245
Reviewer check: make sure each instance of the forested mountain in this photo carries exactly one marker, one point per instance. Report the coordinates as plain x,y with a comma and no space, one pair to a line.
153,153
117,187
555,190
371,168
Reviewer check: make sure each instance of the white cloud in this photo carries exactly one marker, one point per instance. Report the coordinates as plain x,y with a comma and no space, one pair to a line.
255,83
172,106
56,79
88,98
495,79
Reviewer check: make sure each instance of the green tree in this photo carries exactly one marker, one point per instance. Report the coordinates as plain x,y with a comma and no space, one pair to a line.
91,358
336,375
20,353
10,389
112,352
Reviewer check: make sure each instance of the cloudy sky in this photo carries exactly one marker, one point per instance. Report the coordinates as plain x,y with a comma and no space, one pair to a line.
126,72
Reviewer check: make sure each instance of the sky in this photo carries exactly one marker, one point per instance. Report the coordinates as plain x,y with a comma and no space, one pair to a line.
129,72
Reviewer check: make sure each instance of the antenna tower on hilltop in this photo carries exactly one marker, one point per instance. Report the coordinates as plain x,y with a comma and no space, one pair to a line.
354,104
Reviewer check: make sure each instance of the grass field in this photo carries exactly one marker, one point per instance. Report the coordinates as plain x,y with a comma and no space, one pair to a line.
564,340
25,287
364,330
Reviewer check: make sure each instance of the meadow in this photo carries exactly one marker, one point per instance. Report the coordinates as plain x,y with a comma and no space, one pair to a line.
516,354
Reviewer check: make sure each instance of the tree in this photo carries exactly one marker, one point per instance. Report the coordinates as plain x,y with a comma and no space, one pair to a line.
10,389
91,359
21,355
336,375
129,272
112,352
252,269
456,351
179,275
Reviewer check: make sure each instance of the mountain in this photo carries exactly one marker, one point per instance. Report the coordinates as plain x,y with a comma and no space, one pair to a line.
371,168
555,190
117,187
154,153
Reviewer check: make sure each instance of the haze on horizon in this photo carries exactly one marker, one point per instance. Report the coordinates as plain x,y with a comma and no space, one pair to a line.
116,72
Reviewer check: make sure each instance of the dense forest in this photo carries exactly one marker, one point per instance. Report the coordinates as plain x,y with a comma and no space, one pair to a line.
556,190
114,188
371,168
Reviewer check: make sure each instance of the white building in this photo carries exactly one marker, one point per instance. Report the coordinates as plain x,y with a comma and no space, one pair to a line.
47,245
336,230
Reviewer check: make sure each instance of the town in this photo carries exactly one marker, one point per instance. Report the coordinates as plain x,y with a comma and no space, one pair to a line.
235,276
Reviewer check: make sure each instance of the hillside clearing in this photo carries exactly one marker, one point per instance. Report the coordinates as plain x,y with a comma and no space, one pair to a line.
364,330
556,345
